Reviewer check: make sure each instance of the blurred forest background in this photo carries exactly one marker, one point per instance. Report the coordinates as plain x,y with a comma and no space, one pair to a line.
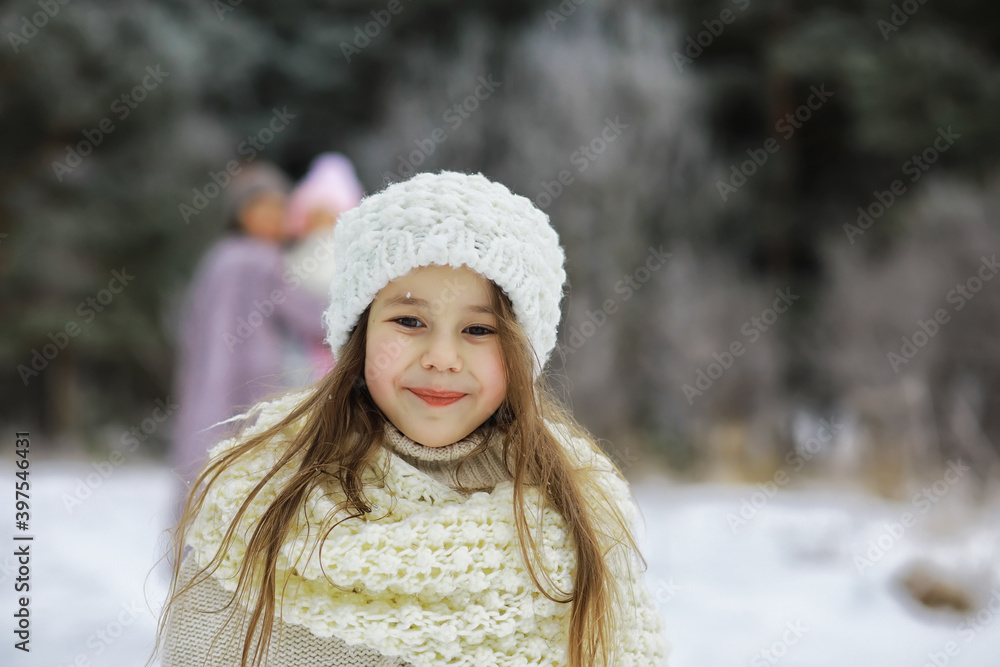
756,141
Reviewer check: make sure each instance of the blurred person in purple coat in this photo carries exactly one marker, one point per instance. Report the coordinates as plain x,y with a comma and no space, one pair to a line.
237,316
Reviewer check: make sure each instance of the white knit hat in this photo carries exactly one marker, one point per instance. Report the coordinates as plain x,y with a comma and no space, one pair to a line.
451,219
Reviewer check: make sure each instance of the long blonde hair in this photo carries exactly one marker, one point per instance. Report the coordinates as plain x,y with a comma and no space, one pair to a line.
341,436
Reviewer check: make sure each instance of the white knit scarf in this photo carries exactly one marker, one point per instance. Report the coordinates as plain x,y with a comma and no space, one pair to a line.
438,580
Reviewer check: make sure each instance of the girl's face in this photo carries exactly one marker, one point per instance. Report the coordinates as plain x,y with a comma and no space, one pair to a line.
432,358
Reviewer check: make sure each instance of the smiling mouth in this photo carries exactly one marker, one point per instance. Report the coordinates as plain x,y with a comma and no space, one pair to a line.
436,398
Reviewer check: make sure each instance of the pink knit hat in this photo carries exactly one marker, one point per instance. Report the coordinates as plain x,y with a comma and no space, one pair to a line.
330,184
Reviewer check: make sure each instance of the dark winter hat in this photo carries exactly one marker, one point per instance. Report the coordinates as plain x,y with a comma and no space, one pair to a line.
253,180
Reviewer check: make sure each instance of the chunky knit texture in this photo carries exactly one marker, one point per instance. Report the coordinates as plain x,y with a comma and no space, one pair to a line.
449,219
459,461
197,619
436,579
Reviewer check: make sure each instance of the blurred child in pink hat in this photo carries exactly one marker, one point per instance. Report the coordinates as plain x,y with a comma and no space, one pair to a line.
329,188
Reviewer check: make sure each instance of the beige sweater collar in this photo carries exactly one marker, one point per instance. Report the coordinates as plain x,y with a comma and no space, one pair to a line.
476,463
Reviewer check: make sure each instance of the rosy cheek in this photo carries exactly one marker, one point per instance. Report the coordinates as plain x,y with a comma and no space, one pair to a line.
496,377
384,355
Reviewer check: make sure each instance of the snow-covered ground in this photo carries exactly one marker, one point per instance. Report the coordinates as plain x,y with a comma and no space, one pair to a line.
808,580
783,588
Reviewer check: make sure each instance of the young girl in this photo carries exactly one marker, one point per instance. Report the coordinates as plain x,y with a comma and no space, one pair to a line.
427,502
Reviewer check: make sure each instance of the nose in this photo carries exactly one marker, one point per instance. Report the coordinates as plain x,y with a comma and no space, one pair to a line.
442,353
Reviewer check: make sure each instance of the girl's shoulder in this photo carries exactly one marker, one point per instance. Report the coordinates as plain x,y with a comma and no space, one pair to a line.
586,453
583,451
244,482
239,471
260,418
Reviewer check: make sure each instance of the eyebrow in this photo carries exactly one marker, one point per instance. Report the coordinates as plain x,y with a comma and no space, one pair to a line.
400,300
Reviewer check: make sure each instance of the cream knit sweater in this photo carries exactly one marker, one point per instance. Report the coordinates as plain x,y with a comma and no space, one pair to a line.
469,618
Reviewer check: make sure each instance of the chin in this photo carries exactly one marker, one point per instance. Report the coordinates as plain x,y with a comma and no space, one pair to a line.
436,440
